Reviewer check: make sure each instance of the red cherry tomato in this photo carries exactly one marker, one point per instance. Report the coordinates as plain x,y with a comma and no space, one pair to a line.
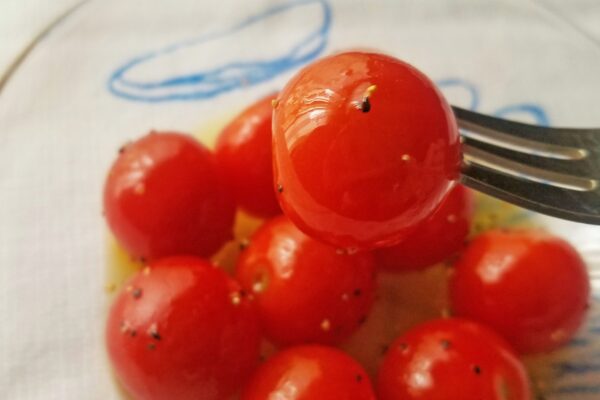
435,239
310,373
244,153
306,291
530,287
452,359
359,168
181,329
163,197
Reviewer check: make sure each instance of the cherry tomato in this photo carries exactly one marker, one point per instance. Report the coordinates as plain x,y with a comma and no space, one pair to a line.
530,287
163,196
365,147
452,359
244,153
181,329
310,373
440,236
305,291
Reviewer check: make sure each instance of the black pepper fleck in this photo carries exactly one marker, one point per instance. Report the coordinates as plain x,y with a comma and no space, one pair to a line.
244,243
153,332
137,293
477,369
365,105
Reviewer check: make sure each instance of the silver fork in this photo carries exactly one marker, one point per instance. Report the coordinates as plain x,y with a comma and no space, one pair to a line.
554,171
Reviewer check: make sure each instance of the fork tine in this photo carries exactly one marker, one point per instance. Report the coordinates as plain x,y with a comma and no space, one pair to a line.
588,167
576,199
568,137
473,155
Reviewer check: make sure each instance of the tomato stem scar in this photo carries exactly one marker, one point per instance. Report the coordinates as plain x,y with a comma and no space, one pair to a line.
365,105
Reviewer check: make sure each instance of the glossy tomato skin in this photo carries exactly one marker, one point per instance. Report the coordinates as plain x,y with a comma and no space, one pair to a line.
164,196
452,359
359,179
181,330
310,373
244,153
305,291
439,237
531,287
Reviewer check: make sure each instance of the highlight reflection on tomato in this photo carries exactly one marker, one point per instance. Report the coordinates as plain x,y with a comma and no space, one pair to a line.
365,147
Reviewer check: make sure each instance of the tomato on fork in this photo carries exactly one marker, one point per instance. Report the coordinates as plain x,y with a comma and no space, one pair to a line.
365,148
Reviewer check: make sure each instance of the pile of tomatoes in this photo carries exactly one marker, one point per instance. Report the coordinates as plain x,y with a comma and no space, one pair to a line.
353,167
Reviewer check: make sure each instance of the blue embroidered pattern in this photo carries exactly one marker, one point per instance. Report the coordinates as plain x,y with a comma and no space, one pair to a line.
234,75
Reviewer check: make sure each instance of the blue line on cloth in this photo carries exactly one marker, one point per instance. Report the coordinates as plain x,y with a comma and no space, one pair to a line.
462,83
536,111
227,77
